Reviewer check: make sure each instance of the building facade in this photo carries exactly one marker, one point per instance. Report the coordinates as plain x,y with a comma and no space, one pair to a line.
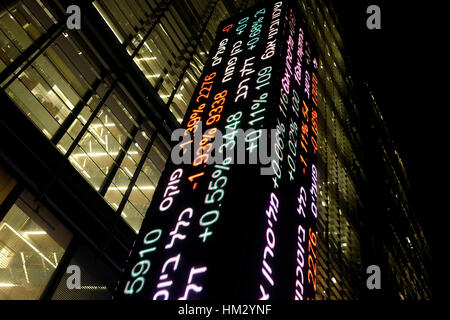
86,120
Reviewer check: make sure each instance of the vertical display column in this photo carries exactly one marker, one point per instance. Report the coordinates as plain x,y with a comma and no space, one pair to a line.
225,216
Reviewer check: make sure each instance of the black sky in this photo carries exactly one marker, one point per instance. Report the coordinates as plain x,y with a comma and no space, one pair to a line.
393,61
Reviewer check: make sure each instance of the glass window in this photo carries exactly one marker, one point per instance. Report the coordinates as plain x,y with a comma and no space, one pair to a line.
8,51
14,31
183,95
49,89
29,253
35,104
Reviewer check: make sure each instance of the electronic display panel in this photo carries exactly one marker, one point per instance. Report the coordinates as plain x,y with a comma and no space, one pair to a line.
235,211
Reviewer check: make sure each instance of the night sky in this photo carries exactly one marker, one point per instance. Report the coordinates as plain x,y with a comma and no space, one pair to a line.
392,61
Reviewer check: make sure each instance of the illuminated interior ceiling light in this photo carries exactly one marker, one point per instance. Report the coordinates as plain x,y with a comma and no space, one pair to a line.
24,267
124,188
65,34
82,119
161,26
34,233
29,244
7,285
153,76
75,162
128,171
95,133
146,58
147,46
344,244
111,124
334,280
46,132
194,66
80,167
101,154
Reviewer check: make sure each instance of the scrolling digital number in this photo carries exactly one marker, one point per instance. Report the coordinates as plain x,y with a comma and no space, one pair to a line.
142,265
312,243
216,107
195,118
203,152
231,131
206,87
216,187
279,147
242,24
256,30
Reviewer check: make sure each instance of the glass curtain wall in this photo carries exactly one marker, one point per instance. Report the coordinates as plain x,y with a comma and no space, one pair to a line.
78,105
339,245
168,40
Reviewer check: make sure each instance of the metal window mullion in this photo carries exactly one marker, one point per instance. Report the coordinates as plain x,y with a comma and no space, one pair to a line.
147,22
117,162
126,18
125,3
59,72
130,188
77,139
143,11
170,36
114,20
163,8
197,40
89,63
76,111
32,15
136,173
89,121
46,81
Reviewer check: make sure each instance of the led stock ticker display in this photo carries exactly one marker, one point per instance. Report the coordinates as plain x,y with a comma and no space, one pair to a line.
242,226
